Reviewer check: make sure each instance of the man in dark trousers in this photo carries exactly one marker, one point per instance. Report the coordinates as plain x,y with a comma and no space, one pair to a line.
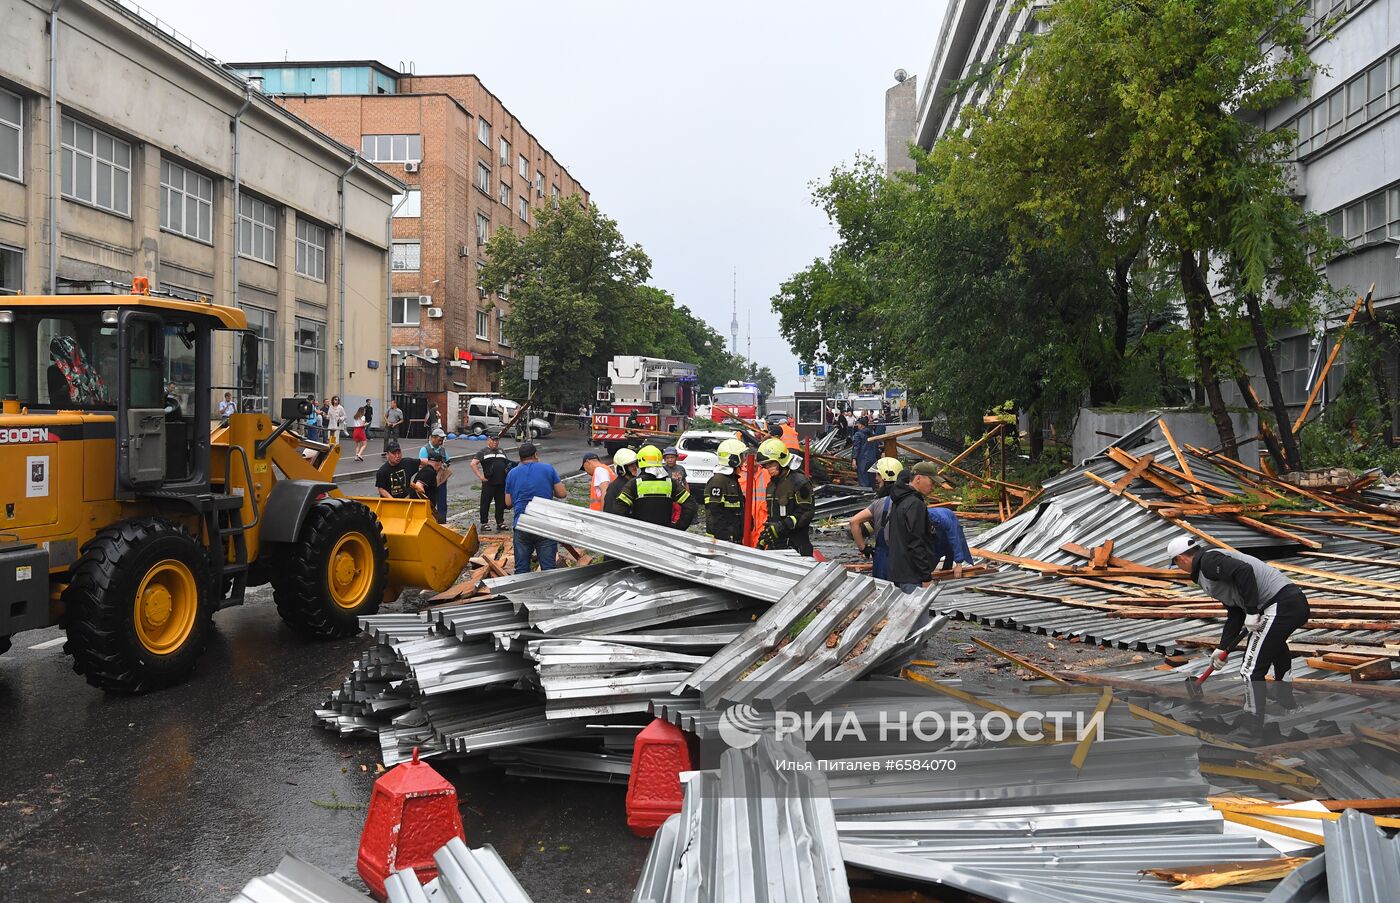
863,453
1258,600
724,497
790,502
490,466
529,480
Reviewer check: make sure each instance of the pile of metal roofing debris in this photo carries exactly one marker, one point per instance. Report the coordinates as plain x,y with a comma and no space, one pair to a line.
581,654
1132,819
1090,560
464,875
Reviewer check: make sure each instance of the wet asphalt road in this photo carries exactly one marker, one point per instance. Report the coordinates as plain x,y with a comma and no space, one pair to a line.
185,794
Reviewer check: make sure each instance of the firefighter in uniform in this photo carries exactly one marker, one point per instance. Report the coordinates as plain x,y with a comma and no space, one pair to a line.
724,497
654,497
790,502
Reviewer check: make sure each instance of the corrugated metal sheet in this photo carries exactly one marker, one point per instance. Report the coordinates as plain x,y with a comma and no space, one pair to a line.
1363,861
464,876
296,881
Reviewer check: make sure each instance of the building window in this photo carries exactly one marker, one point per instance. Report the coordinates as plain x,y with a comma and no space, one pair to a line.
408,206
257,229
1376,221
96,168
406,255
554,196
483,325
483,228
392,148
505,152
186,201
310,357
11,271
524,167
501,328
311,250
483,132
523,209
403,310
261,324
481,292
1362,99
505,193
539,183
483,178
11,135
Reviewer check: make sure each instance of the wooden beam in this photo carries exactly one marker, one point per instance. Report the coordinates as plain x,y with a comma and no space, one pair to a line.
1176,449
1363,301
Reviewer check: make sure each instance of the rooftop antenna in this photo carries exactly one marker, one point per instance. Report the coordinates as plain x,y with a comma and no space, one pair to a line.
734,315
749,350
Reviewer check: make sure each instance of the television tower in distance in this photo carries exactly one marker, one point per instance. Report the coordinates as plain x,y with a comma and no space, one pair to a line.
734,315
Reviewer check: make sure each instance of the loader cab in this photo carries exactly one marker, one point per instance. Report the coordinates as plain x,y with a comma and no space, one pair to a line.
138,373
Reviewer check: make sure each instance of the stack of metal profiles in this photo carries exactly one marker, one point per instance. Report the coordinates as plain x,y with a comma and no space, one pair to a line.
830,628
689,556
749,831
464,876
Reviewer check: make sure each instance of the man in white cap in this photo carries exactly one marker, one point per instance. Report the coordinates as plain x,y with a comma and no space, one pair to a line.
1258,599
439,499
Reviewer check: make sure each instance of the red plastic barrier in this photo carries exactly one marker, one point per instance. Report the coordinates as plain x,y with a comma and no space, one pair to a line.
659,755
412,812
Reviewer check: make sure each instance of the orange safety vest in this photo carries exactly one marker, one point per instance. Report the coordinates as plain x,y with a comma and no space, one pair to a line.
758,504
598,491
790,437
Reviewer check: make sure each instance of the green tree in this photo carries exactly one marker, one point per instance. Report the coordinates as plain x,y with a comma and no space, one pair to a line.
1137,130
573,284
925,295
760,376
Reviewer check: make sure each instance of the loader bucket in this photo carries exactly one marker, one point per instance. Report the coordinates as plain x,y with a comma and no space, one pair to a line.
422,552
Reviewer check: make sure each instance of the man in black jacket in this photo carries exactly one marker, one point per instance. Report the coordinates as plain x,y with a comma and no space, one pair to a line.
910,534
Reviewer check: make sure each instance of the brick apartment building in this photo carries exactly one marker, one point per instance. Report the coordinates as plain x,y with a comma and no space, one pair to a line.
472,169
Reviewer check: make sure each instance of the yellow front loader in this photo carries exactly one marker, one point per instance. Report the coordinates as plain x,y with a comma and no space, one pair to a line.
132,512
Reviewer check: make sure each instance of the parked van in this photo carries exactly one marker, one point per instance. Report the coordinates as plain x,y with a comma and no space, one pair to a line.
486,414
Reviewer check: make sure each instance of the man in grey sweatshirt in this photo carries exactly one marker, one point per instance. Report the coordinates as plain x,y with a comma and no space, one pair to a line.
1258,599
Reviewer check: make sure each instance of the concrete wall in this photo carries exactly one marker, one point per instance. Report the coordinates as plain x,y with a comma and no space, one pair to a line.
901,101
1096,429
119,76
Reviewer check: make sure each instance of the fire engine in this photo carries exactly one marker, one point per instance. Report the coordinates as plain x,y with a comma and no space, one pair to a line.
642,393
736,399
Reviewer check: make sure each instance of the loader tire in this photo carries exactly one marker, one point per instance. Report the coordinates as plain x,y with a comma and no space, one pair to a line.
138,609
335,573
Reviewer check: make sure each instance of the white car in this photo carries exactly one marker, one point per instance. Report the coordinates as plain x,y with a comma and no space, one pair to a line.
695,451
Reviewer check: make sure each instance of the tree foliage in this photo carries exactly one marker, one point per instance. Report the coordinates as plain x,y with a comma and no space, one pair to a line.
1138,129
579,297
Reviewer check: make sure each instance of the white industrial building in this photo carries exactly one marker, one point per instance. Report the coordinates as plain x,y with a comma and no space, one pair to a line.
126,150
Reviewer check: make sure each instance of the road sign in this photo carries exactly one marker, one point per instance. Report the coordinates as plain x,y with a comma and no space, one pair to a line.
532,366
801,369
821,371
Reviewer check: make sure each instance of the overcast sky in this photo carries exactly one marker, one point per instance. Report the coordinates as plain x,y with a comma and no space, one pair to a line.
699,127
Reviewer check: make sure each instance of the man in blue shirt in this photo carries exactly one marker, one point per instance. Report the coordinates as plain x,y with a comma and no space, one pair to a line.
529,480
949,544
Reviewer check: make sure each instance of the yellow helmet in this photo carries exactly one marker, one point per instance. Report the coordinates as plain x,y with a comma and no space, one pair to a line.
624,457
649,456
731,452
774,450
887,468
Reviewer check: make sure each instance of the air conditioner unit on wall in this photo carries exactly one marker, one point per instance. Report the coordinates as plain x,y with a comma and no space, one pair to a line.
425,300
411,166
463,251
430,353
435,313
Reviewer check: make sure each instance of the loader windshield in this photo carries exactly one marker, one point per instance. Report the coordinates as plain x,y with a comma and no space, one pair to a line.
64,359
